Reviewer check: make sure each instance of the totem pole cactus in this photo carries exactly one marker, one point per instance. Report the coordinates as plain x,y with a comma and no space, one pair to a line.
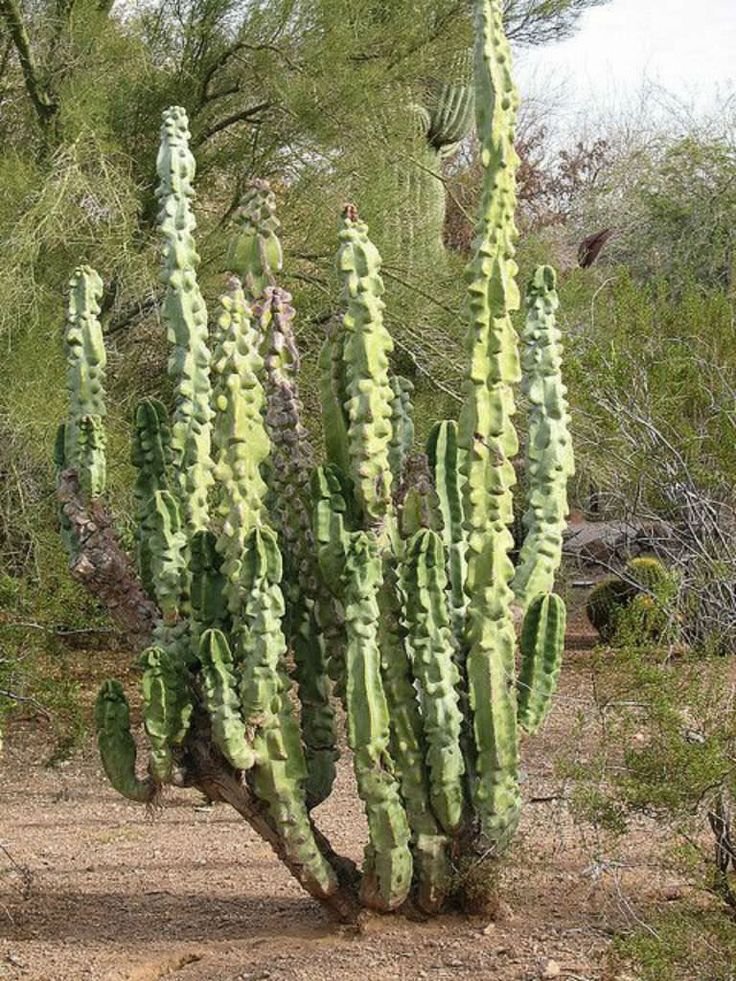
382,575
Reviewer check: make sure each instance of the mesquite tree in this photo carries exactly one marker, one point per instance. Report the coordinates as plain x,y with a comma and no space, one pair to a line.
382,575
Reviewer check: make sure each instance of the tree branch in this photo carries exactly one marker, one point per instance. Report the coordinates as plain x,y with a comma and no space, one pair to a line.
45,106
228,121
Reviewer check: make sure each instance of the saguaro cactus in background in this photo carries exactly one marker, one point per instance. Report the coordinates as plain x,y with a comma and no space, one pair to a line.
384,572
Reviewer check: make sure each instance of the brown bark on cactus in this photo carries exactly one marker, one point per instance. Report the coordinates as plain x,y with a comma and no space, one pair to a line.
208,771
102,566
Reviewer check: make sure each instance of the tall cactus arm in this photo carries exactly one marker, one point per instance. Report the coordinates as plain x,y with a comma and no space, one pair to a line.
260,653
255,251
429,845
549,454
446,462
116,745
240,434
542,644
334,398
220,693
167,709
408,750
387,867
487,434
185,315
292,463
86,359
402,426
167,543
367,345
427,623
151,457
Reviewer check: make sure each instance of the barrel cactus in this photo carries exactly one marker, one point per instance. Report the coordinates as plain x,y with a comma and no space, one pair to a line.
380,577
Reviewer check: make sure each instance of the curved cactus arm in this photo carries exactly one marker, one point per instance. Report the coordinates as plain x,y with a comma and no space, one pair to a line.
260,652
291,465
255,253
167,550
429,845
427,623
367,345
167,709
116,744
542,644
387,866
151,457
333,396
402,426
220,694
240,435
86,360
446,463
487,434
185,315
549,454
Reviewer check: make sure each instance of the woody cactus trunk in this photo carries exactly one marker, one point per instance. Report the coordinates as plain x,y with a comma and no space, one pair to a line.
269,587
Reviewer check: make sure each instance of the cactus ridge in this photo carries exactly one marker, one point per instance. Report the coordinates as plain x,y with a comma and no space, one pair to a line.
542,643
167,709
387,867
185,316
427,623
549,456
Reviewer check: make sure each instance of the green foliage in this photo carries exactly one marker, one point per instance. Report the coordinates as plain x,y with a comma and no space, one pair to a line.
691,944
640,607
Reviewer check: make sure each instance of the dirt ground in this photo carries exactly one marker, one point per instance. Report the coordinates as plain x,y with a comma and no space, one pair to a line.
110,893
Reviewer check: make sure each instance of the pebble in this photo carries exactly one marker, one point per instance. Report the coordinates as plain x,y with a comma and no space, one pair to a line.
551,969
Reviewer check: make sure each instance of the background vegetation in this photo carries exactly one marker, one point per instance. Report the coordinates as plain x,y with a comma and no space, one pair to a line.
321,98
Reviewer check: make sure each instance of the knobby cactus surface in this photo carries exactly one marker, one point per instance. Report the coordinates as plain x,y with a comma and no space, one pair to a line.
271,588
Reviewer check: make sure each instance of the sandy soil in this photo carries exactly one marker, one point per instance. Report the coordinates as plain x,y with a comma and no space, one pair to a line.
194,894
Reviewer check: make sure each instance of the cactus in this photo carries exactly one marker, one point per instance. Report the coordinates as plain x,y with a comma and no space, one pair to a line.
383,572
644,589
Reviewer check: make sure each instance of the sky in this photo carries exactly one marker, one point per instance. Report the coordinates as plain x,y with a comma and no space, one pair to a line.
686,48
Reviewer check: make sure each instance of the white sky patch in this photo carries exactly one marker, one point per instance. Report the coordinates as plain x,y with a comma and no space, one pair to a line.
685,48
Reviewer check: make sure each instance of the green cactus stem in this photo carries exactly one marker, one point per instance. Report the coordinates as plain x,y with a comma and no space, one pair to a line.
334,398
367,345
185,315
260,653
220,693
239,434
446,463
255,251
387,865
402,426
167,709
167,544
487,435
430,847
291,464
427,623
549,455
116,744
208,594
86,359
151,457
542,644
